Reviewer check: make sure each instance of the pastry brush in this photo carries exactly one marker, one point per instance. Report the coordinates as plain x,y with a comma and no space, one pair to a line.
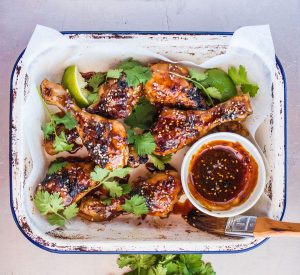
242,226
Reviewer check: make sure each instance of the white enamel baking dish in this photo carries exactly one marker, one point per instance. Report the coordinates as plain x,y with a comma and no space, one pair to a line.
124,234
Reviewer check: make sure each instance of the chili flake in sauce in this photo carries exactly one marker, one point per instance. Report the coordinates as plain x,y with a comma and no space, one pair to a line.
222,174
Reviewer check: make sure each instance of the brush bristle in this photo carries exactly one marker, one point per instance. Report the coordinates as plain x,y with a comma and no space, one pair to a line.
206,223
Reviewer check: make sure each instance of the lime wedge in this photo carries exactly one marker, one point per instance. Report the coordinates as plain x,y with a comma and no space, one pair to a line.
220,80
74,82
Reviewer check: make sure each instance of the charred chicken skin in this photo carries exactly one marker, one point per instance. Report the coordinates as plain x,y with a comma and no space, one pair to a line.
161,192
116,99
167,89
175,129
72,182
104,139
95,210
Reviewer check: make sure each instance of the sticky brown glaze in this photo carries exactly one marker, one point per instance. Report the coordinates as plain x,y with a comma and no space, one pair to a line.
175,129
116,99
134,160
222,175
72,182
161,192
93,209
170,90
183,208
71,137
104,139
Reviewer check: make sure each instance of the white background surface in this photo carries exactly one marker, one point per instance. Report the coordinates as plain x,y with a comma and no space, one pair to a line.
17,21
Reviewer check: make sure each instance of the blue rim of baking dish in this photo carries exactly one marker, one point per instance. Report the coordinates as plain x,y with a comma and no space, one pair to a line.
143,252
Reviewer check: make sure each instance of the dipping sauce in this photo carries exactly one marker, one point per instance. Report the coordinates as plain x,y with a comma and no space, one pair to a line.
222,174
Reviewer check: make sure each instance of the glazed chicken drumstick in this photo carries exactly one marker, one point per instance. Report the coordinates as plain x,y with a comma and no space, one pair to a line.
175,129
116,99
72,182
104,139
167,89
161,191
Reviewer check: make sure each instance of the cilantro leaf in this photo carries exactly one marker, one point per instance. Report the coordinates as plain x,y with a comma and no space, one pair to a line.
56,166
130,136
136,73
61,144
251,89
166,258
160,161
52,205
99,173
120,172
214,93
68,120
136,261
126,189
48,129
239,77
158,270
195,74
115,190
193,264
56,202
144,144
55,219
116,73
92,97
129,64
107,201
71,211
172,268
136,205
96,80
42,202
106,178
143,115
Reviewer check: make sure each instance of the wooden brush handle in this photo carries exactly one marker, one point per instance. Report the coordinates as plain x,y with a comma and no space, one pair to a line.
269,228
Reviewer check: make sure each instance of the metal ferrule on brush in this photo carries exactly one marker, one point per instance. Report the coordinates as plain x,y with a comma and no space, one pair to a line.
240,226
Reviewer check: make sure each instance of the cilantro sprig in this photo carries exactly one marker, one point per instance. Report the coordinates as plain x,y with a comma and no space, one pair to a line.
160,161
60,141
136,205
219,85
143,144
56,166
197,78
94,82
142,116
115,73
106,178
135,72
239,77
169,264
52,206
